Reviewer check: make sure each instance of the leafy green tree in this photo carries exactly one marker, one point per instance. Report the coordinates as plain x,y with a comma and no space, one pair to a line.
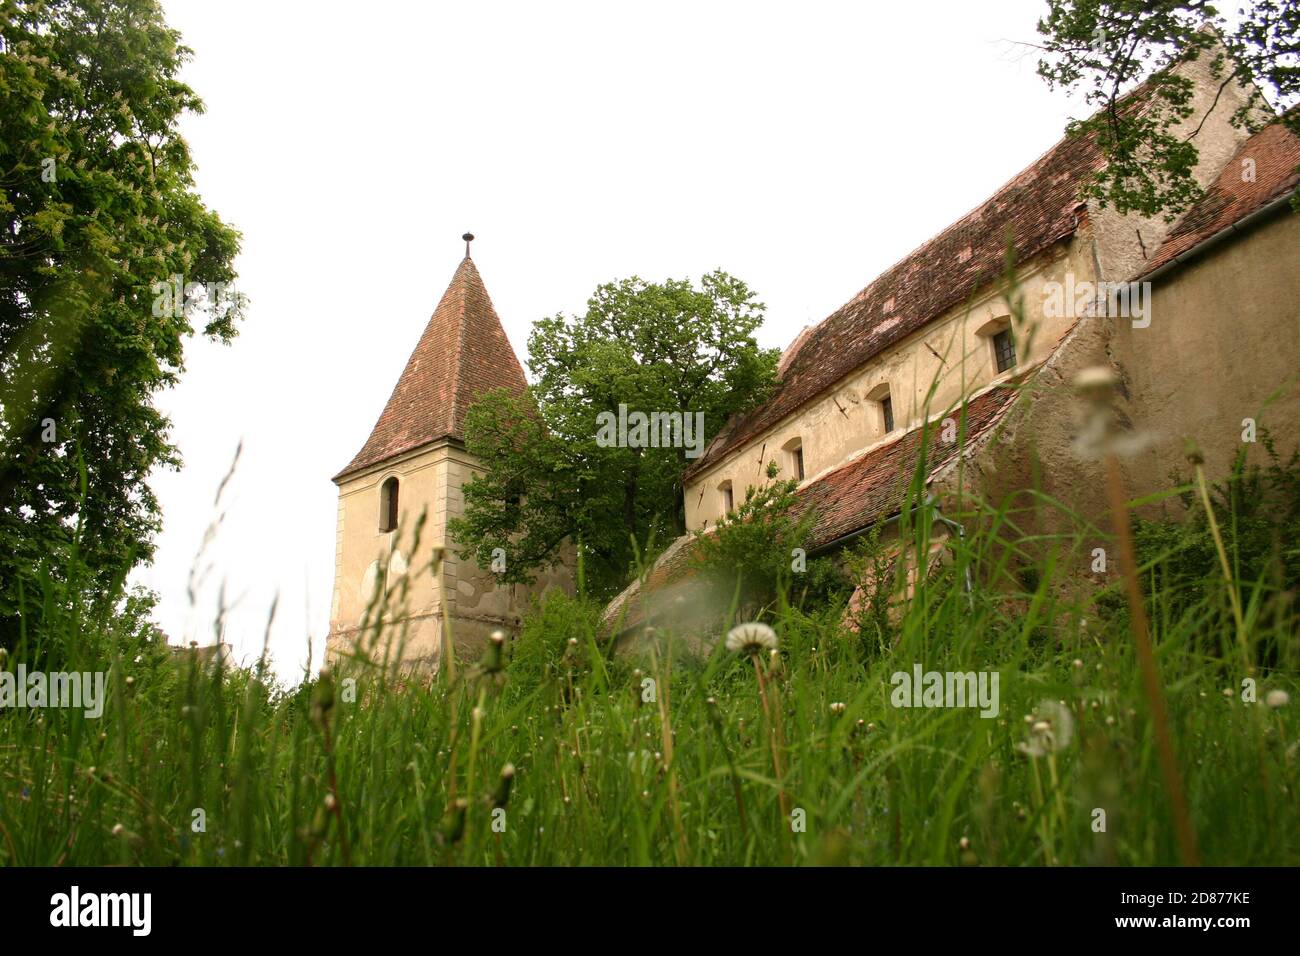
1108,46
549,473
108,261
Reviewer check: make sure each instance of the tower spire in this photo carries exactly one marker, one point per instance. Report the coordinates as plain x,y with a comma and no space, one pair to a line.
468,237
463,353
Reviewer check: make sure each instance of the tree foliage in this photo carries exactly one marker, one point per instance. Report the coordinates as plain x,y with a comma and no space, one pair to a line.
666,347
99,225
1107,46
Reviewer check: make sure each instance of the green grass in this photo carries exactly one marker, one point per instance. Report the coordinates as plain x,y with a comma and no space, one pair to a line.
308,777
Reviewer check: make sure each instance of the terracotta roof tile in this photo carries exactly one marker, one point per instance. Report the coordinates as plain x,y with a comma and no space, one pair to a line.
1036,209
873,486
1276,155
463,353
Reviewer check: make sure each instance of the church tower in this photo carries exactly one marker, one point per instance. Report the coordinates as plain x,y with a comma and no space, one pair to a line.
409,473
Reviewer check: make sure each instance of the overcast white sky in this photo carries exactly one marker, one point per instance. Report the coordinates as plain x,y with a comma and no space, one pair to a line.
804,147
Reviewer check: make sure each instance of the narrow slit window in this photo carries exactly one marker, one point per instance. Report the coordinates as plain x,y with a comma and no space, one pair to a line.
728,502
388,505
794,457
1004,349
887,411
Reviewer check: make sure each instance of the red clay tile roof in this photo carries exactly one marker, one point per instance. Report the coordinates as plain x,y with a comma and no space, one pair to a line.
873,487
1037,208
1276,152
463,353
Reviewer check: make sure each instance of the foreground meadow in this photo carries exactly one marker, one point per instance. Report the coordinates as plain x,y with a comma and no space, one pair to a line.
552,750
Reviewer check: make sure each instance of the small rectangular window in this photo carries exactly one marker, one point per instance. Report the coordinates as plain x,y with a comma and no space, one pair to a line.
887,409
726,501
1004,350
798,463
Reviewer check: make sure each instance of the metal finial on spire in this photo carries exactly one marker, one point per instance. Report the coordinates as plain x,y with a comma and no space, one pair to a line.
468,237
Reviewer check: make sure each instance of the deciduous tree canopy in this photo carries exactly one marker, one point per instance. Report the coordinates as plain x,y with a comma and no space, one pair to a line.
1106,47
100,226
667,347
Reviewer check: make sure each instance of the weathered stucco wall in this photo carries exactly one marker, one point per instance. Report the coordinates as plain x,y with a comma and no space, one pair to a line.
382,573
1223,346
390,566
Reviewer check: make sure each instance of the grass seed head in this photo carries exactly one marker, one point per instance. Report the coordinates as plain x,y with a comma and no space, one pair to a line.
502,795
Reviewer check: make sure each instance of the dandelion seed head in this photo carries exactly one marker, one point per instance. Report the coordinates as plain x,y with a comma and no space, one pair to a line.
1277,698
751,638
1050,732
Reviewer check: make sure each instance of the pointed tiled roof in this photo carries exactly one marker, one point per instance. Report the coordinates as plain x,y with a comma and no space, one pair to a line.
462,354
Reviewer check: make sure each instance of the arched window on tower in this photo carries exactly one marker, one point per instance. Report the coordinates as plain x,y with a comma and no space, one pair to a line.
388,505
